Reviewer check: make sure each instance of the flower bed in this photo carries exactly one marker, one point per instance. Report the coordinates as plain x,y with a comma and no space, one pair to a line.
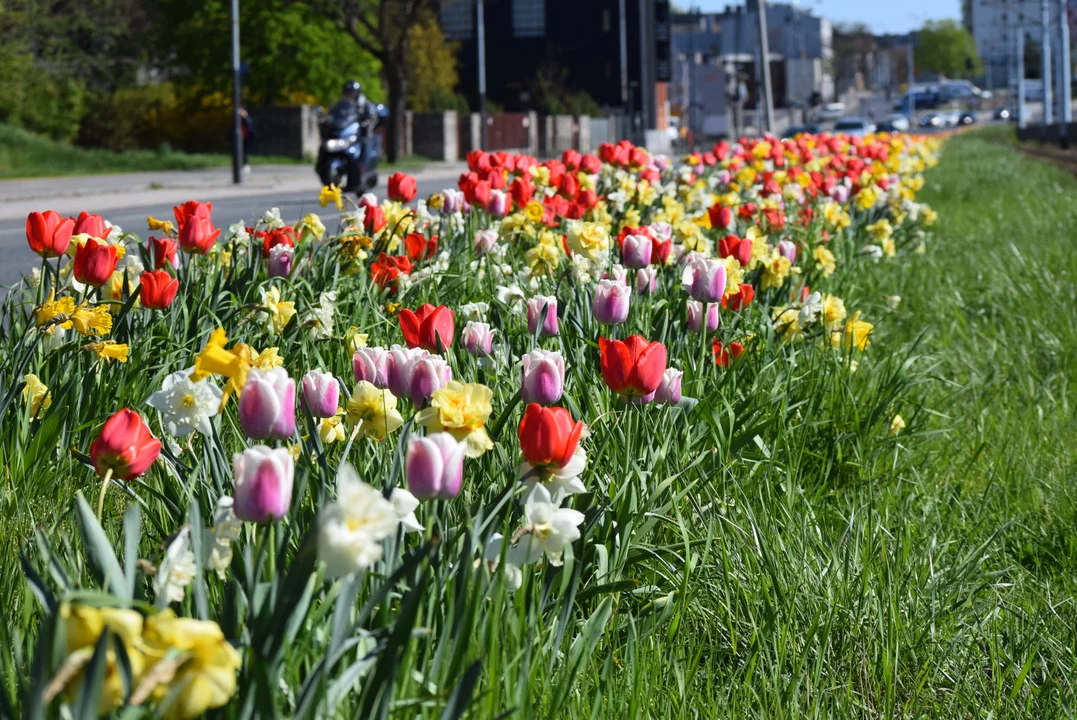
432,453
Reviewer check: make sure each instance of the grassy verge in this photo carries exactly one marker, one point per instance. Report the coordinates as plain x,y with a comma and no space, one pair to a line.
25,155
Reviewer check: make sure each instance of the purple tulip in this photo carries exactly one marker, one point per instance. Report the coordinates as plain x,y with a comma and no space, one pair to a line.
544,377
485,241
321,393
662,230
267,405
636,252
435,466
534,315
704,279
616,273
280,260
372,365
646,280
426,376
840,194
611,302
702,316
478,338
669,389
452,200
399,369
499,203
263,490
788,250
724,177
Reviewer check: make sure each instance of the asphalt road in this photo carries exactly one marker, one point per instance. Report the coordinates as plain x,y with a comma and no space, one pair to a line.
18,259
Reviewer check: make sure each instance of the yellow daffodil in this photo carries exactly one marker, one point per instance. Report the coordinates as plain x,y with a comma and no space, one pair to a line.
461,410
232,364
355,338
331,194
276,312
310,227
331,430
205,674
775,271
165,226
786,321
857,334
59,310
880,230
543,259
824,261
534,211
929,216
833,311
867,197
435,202
897,424
375,409
36,394
589,239
91,320
109,350
83,626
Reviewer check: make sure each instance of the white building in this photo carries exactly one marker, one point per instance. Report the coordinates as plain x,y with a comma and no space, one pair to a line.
994,25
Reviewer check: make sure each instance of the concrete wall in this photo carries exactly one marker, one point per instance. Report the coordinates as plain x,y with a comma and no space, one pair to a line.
434,135
288,131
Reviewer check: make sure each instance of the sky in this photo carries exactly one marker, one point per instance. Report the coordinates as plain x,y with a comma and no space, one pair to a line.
882,16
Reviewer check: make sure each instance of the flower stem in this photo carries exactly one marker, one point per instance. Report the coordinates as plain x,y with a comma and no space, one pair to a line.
101,495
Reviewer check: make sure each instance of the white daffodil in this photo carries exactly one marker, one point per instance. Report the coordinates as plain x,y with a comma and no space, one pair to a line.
320,316
272,220
525,552
220,537
352,528
405,504
873,252
474,311
810,310
185,405
177,569
550,526
237,233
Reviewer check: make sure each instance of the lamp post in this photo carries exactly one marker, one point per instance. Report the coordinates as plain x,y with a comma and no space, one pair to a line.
237,99
480,11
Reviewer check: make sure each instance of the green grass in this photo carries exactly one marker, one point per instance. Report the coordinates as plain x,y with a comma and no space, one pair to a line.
774,552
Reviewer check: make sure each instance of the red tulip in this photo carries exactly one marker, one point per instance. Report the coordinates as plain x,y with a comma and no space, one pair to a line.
419,248
739,248
522,189
374,219
158,289
477,192
742,299
720,215
92,225
386,271
590,164
495,176
722,355
95,261
478,160
280,236
632,367
428,327
586,199
163,250
569,186
571,159
197,234
190,209
548,436
125,445
402,187
48,234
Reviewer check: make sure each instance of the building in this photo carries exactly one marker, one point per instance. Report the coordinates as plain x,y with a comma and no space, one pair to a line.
994,25
558,55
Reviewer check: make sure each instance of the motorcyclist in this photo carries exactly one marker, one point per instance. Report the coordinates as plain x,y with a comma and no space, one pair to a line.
353,103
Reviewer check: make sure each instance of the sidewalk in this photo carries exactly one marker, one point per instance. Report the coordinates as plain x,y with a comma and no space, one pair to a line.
69,195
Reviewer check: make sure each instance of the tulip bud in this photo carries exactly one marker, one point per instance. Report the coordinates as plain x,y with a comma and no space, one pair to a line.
478,338
264,477
163,251
125,446
95,261
702,316
426,376
840,194
267,405
485,241
321,394
669,390
704,279
611,302
788,250
280,260
48,234
535,307
646,280
372,365
616,273
543,377
499,203
435,466
398,369
452,200
636,252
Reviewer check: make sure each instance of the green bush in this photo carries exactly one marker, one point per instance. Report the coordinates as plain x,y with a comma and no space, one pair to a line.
46,101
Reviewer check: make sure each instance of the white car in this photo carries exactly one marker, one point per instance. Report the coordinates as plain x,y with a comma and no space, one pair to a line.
898,121
831,111
855,126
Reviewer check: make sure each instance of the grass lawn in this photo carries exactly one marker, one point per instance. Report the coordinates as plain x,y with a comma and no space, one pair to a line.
25,155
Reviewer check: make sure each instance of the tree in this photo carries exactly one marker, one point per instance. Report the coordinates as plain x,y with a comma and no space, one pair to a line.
432,75
945,47
382,28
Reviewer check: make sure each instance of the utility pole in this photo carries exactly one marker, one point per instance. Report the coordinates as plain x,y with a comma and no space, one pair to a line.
1021,78
1045,47
764,56
481,35
237,99
1065,115
624,64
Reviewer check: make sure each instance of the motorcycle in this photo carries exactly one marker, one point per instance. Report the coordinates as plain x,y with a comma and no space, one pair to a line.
350,149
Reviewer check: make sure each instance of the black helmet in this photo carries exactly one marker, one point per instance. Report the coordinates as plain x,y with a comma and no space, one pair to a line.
352,87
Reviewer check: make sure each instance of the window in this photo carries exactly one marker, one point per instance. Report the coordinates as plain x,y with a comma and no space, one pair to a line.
457,19
607,24
528,18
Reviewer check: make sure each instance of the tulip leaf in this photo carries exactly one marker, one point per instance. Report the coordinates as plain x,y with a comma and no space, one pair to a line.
582,648
132,533
99,548
509,407
93,676
461,694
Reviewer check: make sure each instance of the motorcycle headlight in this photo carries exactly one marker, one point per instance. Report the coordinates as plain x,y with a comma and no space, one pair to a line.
337,144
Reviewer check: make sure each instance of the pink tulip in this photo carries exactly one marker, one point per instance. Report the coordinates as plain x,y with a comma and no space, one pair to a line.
280,260
611,302
267,405
400,363
788,250
321,393
452,200
435,466
499,203
636,252
543,377
478,338
646,280
426,376
372,365
702,316
704,279
263,490
616,273
535,307
485,241
669,390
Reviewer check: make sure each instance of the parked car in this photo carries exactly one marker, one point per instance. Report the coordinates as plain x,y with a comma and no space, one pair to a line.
966,118
1003,113
929,121
830,111
855,126
899,121
951,118
808,128
924,100
887,126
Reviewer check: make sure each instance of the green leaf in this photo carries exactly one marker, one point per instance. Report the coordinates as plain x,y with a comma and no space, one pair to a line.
461,694
99,548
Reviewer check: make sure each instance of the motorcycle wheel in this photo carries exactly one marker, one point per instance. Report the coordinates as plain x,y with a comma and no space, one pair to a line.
370,181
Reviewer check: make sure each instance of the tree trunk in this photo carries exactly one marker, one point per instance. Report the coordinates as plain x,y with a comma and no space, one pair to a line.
398,93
